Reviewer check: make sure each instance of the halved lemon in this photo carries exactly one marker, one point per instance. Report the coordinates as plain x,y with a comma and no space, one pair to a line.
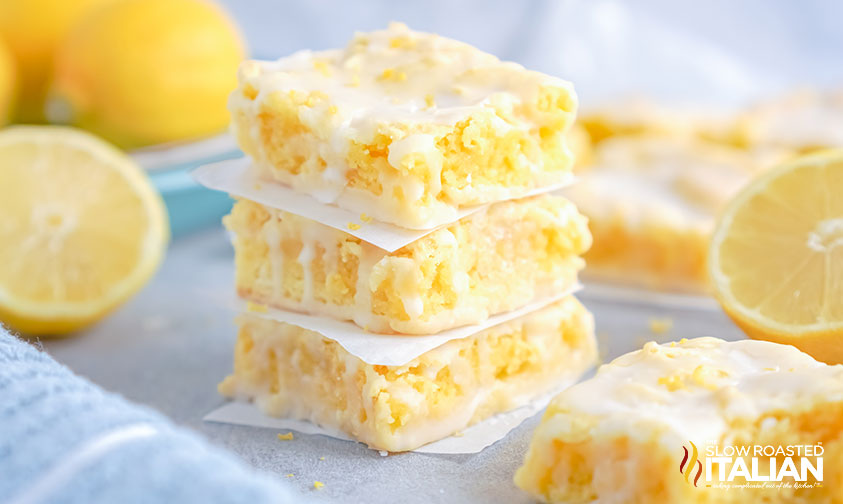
81,229
776,257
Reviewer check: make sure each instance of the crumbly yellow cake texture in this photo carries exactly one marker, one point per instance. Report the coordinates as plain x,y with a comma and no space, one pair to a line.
804,121
581,147
652,203
292,372
405,126
498,259
652,421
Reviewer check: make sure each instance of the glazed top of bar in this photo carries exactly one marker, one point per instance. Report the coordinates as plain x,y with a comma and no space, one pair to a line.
805,119
683,182
696,388
400,75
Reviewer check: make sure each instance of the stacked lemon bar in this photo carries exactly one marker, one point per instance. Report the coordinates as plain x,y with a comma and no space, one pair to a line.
418,132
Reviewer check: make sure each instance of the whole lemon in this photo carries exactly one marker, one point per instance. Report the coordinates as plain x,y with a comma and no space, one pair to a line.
7,83
32,28
141,72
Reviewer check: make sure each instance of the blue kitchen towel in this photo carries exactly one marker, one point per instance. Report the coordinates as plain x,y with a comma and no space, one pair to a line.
65,440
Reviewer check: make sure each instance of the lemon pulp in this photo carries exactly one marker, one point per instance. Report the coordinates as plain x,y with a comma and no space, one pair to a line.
777,256
81,229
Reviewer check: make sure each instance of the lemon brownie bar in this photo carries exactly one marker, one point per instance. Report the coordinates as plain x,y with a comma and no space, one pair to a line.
292,372
803,121
497,259
634,116
652,203
405,126
646,427
637,116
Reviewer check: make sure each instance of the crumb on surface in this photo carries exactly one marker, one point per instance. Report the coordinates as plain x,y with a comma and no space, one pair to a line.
286,437
321,458
257,308
383,453
318,484
660,325
365,218
353,226
155,323
290,475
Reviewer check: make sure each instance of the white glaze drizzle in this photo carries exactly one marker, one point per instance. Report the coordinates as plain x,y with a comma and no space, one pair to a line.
431,81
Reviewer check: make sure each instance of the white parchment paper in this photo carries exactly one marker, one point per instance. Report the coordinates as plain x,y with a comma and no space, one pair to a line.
236,177
392,349
470,440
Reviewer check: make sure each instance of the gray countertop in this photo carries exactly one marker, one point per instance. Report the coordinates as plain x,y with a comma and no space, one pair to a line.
170,346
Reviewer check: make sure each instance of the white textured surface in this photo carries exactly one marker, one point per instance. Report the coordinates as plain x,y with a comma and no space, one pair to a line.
170,346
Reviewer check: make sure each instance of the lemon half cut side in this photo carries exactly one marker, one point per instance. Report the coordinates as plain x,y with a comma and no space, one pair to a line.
81,229
776,257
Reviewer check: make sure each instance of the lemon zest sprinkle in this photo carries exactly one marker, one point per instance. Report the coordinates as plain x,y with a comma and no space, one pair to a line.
660,325
254,307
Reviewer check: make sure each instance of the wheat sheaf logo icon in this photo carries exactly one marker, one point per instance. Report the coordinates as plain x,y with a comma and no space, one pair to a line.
691,459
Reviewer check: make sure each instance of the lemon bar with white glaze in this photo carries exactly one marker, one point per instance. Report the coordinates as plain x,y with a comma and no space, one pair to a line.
652,202
803,120
649,426
292,372
638,116
407,127
498,259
